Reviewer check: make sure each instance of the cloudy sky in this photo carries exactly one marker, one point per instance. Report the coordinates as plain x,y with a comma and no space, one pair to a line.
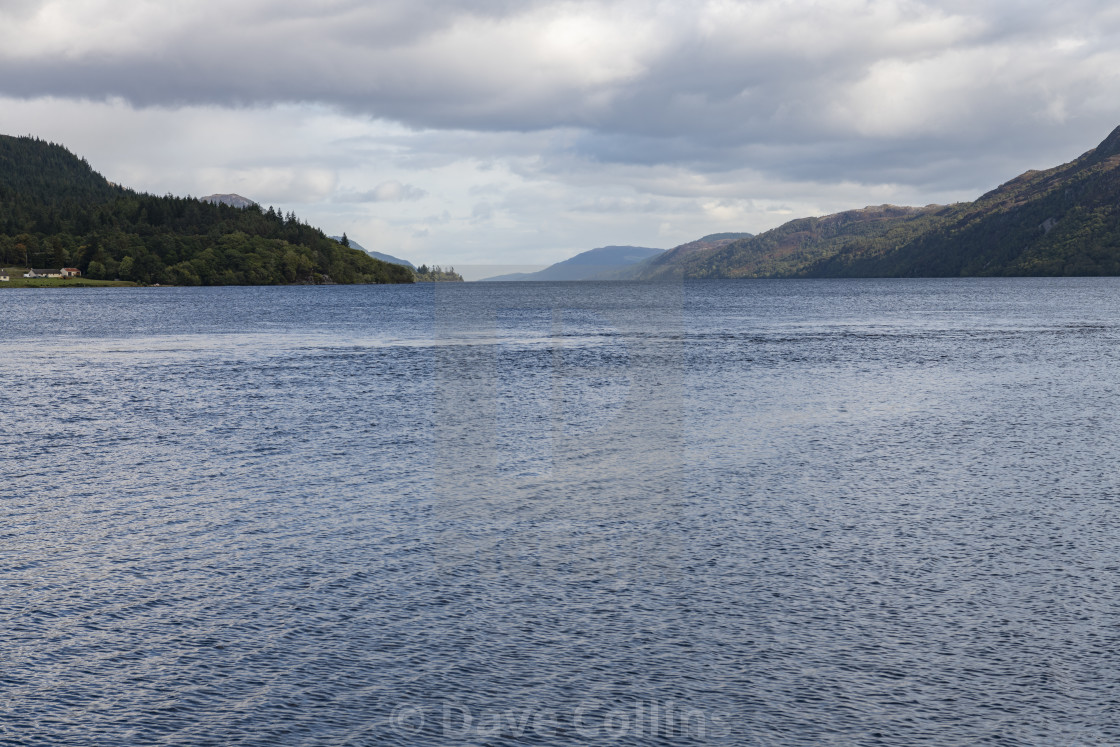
524,131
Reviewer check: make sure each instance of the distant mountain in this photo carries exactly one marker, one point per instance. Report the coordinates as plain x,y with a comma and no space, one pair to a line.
587,265
386,257
668,263
232,200
1062,221
376,255
56,211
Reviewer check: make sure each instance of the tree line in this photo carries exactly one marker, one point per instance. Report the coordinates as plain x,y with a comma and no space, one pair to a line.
55,211
436,274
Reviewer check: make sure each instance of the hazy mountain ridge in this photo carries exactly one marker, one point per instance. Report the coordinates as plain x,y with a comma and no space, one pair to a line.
377,255
1060,221
593,264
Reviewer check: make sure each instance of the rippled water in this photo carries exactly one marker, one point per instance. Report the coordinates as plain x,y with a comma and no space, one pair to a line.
749,513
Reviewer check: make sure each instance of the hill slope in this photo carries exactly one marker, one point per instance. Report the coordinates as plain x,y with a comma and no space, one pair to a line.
670,263
35,171
377,255
56,211
1062,221
587,265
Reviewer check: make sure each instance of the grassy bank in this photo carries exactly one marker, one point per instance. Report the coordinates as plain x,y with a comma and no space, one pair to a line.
17,280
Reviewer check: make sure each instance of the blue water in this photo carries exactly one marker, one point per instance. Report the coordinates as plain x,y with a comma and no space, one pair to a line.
745,513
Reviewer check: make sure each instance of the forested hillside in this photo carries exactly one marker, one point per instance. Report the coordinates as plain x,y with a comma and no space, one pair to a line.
56,211
1061,221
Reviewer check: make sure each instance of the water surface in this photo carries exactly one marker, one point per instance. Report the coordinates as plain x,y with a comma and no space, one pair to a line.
762,513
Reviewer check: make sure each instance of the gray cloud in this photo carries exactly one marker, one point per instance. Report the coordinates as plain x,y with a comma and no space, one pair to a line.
696,82
390,191
544,124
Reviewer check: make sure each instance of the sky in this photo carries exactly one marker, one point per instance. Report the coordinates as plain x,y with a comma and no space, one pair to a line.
516,133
